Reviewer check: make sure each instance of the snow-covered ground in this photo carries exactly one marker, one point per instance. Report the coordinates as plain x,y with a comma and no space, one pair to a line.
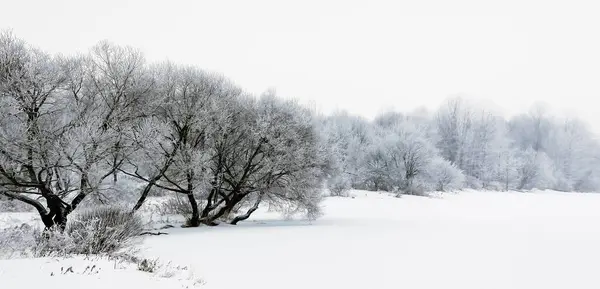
91,273
465,240
8,220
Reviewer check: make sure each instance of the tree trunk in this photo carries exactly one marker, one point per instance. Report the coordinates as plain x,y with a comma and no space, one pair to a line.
143,196
251,210
47,220
209,204
44,214
210,221
83,191
57,216
194,220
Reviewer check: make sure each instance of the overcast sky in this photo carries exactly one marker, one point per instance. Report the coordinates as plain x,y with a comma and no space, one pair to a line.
362,56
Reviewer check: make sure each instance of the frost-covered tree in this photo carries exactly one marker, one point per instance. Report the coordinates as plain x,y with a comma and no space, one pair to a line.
557,153
173,139
267,153
347,139
507,169
398,157
572,150
475,141
62,122
225,150
107,93
454,121
536,170
484,147
441,175
31,127
531,130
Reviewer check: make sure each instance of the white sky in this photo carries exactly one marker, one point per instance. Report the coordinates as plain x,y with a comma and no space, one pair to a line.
362,56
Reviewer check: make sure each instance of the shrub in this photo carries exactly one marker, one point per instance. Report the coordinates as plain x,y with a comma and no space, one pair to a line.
26,241
16,241
52,243
414,190
149,266
175,205
339,187
106,229
180,205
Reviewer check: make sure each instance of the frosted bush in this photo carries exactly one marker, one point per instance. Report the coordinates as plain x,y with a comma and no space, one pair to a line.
16,242
106,229
339,186
175,205
52,243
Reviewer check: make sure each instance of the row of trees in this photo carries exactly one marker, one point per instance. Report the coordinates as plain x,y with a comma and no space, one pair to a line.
72,127
461,146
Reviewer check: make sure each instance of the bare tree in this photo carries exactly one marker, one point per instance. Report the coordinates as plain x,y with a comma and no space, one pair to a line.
454,123
31,86
107,93
173,140
64,121
268,153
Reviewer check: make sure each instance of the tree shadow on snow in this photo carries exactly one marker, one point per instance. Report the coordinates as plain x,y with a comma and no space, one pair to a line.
252,224
273,223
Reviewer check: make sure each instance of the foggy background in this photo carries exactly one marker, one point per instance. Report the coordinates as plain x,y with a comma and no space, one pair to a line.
361,56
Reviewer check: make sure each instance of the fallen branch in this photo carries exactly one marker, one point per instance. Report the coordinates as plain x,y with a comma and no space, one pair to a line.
154,233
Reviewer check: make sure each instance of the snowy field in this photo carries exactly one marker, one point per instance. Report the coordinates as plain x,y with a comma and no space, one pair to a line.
465,240
90,273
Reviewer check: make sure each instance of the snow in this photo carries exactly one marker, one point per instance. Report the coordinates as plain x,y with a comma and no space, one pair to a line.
467,240
90,273
8,220
539,239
